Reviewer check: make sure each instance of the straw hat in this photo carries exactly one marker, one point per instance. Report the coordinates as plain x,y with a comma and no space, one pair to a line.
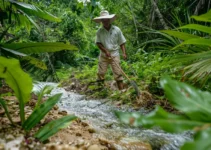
105,15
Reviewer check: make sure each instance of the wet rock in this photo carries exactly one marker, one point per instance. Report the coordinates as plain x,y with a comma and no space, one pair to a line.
47,120
15,106
63,113
91,130
94,147
80,142
9,137
32,103
2,147
2,112
55,107
107,143
51,147
73,148
84,124
78,134
16,119
14,144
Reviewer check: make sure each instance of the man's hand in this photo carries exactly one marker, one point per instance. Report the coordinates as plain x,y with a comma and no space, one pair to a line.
108,54
124,56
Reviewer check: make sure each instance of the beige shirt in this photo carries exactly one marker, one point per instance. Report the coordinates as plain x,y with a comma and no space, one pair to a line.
111,39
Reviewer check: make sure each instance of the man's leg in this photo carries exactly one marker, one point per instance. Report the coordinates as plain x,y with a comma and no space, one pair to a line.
120,85
116,68
102,68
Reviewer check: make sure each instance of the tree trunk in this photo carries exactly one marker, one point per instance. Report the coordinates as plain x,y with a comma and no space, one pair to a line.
160,16
134,21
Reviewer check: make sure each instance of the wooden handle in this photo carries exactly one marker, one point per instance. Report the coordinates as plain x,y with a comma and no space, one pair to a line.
120,69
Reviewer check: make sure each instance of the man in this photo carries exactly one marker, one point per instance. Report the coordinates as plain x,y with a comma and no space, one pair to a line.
109,40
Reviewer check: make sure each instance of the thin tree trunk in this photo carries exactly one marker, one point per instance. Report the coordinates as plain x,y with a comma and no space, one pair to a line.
52,67
198,7
208,8
160,16
134,21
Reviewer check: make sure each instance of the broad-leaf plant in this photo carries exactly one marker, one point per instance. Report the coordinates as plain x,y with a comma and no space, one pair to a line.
21,84
196,114
13,14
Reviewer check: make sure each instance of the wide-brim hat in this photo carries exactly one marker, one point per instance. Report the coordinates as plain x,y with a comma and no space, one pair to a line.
105,15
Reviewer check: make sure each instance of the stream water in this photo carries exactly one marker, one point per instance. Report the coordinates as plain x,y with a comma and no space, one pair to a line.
100,116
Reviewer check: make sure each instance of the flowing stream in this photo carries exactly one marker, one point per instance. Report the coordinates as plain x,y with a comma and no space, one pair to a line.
99,114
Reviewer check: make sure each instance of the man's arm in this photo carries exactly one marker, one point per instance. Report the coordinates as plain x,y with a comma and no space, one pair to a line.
123,51
103,49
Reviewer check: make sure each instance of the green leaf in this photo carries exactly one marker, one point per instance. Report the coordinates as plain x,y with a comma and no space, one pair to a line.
2,102
18,80
45,90
38,63
34,11
205,17
169,39
199,69
193,102
39,47
53,127
5,32
24,21
13,52
191,57
197,41
201,141
180,35
34,23
40,112
197,27
159,117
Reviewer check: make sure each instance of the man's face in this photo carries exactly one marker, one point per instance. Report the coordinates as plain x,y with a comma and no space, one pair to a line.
106,22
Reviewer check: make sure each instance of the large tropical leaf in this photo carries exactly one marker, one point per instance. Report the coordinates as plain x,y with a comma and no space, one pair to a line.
53,127
38,63
198,70
40,112
170,39
13,52
197,27
39,47
191,57
159,117
205,17
193,102
180,35
18,80
195,41
201,141
34,11
25,20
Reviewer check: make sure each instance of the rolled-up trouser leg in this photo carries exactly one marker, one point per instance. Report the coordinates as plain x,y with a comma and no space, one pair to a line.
115,65
102,68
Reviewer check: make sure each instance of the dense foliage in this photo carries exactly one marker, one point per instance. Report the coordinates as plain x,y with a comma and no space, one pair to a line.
171,37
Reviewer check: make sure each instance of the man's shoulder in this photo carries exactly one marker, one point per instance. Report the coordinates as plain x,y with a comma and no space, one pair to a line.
115,27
